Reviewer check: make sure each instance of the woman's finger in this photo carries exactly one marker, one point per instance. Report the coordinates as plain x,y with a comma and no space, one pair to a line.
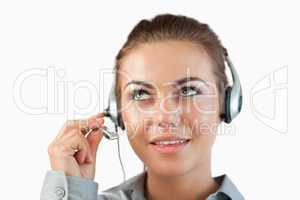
95,137
78,142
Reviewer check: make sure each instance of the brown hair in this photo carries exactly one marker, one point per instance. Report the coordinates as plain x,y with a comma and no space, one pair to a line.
175,27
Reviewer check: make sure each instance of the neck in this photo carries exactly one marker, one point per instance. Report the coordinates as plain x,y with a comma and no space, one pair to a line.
195,184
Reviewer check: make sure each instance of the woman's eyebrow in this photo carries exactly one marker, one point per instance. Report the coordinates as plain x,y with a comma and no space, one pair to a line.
136,82
176,82
187,79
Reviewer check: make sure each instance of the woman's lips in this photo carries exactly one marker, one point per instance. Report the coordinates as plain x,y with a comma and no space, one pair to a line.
169,144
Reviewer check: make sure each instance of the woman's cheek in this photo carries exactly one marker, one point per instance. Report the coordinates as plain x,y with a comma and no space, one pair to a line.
203,123
132,122
134,127
139,144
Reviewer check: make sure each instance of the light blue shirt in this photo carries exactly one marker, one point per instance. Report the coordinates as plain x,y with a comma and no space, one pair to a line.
58,186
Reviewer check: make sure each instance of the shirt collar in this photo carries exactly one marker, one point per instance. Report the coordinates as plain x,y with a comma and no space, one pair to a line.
226,188
138,188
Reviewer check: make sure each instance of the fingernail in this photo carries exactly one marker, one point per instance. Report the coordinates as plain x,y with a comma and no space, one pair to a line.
100,120
82,160
94,125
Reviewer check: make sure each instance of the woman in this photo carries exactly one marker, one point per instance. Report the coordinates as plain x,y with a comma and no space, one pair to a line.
170,88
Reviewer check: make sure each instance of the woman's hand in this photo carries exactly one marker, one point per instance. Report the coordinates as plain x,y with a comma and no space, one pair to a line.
74,152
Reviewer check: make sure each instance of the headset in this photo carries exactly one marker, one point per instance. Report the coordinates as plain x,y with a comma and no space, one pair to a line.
232,106
233,94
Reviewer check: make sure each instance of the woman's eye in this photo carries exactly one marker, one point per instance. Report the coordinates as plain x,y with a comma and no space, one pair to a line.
189,91
140,94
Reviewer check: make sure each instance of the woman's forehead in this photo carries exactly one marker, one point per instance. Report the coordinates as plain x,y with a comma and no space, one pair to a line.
165,55
165,62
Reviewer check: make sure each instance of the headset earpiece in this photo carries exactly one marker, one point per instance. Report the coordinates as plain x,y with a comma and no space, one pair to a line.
120,122
112,110
227,114
233,94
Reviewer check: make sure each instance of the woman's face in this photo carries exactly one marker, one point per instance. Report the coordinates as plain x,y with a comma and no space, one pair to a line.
168,93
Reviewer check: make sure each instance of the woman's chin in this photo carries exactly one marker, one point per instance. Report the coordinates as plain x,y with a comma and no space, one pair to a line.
162,169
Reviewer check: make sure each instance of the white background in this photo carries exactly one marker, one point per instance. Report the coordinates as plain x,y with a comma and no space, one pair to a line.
80,38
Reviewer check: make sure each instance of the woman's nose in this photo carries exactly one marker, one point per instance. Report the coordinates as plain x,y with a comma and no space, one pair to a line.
167,105
167,110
